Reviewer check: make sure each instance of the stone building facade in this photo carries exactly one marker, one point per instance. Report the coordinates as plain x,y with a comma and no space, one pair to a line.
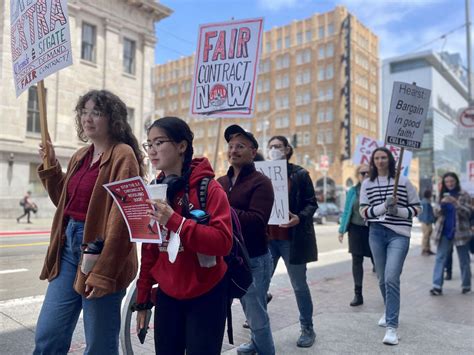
113,45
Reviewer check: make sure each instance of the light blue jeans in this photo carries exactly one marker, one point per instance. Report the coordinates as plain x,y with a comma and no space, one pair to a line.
442,253
254,304
389,250
297,274
62,306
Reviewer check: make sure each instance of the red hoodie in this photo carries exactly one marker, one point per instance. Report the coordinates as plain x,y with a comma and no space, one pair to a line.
184,278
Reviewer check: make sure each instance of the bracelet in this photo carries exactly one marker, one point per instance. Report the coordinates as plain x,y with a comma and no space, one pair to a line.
141,306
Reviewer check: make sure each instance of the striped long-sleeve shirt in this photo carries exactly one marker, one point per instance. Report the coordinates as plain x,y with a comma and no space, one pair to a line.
372,203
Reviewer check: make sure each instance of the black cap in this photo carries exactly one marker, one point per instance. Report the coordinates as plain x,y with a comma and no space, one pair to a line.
236,129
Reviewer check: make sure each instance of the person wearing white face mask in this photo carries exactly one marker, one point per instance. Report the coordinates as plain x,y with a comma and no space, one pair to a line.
295,242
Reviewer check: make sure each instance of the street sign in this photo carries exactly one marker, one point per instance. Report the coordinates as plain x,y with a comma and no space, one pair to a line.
407,115
226,68
466,118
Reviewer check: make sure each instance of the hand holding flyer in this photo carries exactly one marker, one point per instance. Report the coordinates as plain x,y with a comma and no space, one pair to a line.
130,195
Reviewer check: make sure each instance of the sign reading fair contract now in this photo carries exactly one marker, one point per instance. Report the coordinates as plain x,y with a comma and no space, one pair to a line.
226,68
40,40
407,116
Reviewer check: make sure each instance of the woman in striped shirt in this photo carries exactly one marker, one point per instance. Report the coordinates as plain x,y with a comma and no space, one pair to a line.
390,222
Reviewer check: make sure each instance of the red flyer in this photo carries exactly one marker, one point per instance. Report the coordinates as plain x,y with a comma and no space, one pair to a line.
130,195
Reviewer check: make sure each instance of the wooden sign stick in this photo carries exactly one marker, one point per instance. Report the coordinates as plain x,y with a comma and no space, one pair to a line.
398,172
43,120
216,151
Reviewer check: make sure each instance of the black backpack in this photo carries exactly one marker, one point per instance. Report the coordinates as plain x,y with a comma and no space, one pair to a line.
238,271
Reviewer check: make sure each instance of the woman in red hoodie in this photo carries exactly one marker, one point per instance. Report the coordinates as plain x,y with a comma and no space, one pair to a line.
191,300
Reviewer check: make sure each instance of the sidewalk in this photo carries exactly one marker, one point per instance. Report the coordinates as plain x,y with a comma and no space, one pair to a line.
431,325
37,224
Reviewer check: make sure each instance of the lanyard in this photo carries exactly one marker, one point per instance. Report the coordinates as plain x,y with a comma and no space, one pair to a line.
386,188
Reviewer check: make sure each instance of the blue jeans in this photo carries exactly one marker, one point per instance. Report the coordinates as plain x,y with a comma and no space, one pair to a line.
444,248
297,274
389,250
254,304
62,306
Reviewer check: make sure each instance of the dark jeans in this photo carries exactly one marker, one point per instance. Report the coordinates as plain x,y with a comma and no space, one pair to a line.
27,213
195,325
448,265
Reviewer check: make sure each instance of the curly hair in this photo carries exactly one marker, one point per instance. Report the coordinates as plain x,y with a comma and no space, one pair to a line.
391,164
115,110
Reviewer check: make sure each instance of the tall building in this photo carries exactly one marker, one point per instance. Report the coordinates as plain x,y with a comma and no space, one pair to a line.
317,85
444,147
113,45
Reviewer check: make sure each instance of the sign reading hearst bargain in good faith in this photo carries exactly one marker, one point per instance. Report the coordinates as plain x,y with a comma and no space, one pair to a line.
226,68
40,40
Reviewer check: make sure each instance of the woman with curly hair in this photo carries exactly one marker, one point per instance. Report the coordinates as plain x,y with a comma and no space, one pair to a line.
86,214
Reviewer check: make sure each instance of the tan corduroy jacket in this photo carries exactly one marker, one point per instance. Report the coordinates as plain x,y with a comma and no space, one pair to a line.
118,264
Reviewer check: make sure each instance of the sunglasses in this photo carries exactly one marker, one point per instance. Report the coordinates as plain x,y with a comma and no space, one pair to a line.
363,173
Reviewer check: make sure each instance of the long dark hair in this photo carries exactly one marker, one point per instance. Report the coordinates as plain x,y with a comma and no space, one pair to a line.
178,130
285,142
114,109
391,164
444,189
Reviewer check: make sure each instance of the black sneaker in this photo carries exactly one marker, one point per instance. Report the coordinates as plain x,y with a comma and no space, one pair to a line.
269,297
436,291
448,276
307,338
465,290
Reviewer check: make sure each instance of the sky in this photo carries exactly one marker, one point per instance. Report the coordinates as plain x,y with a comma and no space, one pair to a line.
403,26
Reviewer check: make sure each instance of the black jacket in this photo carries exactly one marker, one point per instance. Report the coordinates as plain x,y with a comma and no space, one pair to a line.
302,201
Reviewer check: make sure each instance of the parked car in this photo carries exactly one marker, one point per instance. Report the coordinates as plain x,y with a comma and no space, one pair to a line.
327,212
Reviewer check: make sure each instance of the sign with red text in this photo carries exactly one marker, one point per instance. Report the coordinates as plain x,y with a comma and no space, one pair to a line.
365,147
407,115
226,68
276,171
40,40
130,195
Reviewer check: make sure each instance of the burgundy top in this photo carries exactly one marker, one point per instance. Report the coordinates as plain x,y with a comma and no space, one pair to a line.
80,186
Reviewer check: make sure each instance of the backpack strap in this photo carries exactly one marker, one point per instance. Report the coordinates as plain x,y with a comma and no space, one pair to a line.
203,185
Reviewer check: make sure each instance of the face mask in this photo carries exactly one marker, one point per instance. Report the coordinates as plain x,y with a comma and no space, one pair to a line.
275,154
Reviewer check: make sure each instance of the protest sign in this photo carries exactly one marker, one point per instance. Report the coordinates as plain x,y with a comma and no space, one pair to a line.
407,115
365,147
226,65
130,196
276,171
40,40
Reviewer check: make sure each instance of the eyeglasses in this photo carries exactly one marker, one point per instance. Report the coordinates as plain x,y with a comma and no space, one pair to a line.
95,114
156,145
363,173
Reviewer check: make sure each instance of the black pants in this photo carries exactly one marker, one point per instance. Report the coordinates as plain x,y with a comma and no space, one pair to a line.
195,325
358,269
27,213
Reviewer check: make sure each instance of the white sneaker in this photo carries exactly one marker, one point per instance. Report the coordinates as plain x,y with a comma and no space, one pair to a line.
391,336
382,321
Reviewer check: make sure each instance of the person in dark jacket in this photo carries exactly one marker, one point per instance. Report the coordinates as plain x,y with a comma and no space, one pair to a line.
353,223
250,193
426,218
295,242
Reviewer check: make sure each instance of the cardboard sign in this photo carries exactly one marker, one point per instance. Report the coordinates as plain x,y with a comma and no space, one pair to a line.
276,170
130,196
40,40
366,146
226,68
407,115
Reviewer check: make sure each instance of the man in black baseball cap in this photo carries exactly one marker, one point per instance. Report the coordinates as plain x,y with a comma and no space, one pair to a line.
236,129
250,193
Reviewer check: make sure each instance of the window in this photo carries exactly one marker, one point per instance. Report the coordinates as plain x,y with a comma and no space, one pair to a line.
321,73
129,56
278,43
131,116
362,101
283,61
282,122
362,121
33,115
264,66
321,32
330,29
308,36
306,138
287,42
282,102
268,47
282,81
299,38
325,115
321,53
88,46
329,72
329,50
303,118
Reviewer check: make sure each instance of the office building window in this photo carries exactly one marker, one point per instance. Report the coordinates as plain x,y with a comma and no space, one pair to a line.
129,47
329,72
131,116
268,47
88,45
330,29
308,36
321,73
299,38
278,43
329,50
321,32
33,115
287,42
